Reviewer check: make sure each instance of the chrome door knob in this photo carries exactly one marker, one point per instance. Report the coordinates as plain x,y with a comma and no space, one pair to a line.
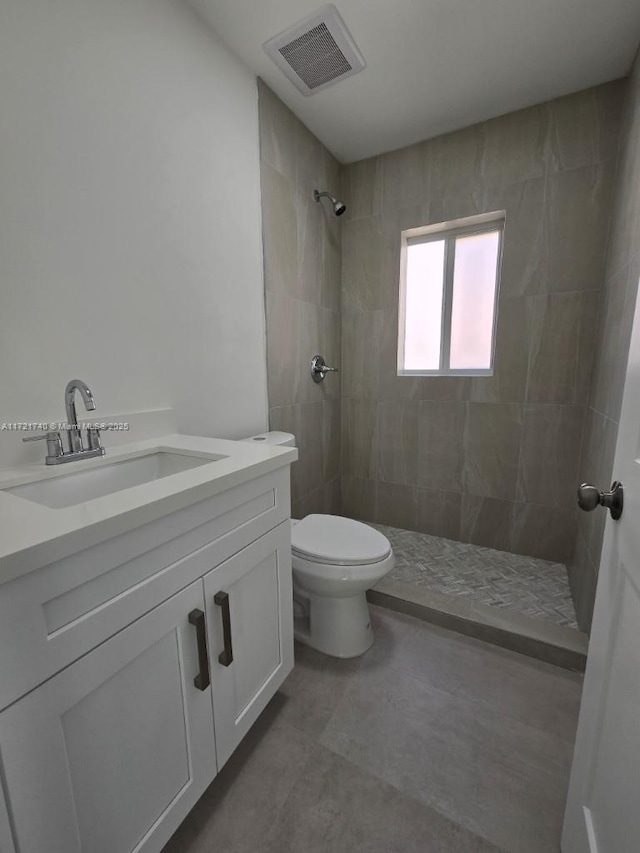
590,497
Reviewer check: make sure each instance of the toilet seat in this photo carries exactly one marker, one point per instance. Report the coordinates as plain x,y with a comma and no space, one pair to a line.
337,541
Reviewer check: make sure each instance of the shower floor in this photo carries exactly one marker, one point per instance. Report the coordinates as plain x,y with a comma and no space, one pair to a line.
532,587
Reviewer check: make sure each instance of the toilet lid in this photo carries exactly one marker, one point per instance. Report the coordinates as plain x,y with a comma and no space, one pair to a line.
338,540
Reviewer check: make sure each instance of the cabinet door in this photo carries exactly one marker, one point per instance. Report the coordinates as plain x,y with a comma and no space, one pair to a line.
249,596
109,755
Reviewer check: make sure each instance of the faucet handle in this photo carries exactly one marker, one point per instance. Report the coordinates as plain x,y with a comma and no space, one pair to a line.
93,436
47,436
54,445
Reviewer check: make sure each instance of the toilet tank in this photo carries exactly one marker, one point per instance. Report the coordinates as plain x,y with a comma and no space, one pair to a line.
284,439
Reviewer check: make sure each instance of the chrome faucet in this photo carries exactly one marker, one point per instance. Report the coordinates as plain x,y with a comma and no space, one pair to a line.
75,439
56,454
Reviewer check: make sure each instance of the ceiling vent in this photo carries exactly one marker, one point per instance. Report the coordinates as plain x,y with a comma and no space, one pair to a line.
316,52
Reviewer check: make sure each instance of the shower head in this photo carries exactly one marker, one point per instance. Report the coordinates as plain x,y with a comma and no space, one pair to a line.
339,207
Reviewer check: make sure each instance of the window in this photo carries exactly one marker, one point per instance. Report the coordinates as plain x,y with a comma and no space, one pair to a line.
449,281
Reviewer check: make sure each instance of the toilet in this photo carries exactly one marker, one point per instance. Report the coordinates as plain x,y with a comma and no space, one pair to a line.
335,560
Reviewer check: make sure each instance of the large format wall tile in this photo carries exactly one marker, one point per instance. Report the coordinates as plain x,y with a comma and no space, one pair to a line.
278,132
396,441
358,435
439,513
310,246
511,360
583,578
362,185
577,214
305,422
302,262
524,269
362,265
487,446
331,266
584,127
455,160
358,497
406,460
486,521
562,342
549,455
331,426
616,320
616,312
543,531
396,505
515,146
283,367
280,233
362,333
492,449
405,176
440,457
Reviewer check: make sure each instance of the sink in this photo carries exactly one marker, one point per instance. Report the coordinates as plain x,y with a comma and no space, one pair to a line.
77,487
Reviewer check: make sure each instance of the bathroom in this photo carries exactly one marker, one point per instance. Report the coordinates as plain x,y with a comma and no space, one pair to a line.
161,239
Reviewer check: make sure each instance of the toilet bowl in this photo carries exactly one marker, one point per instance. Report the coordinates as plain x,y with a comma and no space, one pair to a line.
335,560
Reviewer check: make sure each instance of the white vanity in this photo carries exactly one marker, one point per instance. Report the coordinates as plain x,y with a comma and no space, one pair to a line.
145,622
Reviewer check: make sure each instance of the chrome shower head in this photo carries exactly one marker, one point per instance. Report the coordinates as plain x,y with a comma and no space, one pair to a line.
339,207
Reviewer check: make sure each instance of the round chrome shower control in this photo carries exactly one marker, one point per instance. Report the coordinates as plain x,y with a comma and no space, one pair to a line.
319,368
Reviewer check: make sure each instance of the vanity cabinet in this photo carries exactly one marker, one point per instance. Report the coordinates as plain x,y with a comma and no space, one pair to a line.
111,753
116,749
259,608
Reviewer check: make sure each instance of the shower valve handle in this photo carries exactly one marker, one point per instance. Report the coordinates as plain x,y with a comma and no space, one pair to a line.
319,368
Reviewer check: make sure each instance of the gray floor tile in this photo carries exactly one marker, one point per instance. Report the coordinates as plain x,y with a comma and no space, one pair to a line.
531,691
527,585
242,803
460,757
429,743
314,688
338,808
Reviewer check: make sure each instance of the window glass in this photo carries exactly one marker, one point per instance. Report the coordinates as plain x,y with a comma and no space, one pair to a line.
474,291
449,296
423,306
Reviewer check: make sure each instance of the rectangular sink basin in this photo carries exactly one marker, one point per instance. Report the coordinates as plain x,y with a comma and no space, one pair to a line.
80,486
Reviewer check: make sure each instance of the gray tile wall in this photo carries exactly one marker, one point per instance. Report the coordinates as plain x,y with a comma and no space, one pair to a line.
616,309
492,461
302,268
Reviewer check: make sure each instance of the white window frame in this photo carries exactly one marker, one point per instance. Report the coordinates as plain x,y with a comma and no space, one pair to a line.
449,232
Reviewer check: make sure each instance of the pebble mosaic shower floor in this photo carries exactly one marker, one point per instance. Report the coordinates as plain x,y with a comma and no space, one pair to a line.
527,585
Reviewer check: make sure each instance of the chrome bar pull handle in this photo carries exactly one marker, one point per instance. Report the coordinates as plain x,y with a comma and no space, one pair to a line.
222,600
202,679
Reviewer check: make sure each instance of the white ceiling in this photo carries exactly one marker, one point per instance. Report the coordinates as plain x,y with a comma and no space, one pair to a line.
437,65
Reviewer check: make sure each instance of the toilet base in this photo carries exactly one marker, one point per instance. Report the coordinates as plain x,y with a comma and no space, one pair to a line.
336,626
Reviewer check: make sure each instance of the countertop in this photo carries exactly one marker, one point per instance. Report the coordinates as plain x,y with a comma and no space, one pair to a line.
32,535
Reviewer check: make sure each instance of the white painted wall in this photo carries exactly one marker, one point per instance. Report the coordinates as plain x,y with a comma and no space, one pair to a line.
130,235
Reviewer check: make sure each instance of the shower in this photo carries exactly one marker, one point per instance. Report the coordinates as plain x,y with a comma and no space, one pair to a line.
339,207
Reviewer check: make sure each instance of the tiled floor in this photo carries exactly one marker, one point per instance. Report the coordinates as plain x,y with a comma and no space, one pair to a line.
527,585
430,743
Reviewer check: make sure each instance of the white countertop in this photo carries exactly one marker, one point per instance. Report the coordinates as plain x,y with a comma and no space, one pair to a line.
32,535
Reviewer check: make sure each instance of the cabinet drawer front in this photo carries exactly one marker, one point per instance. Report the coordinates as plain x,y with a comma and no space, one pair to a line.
52,616
112,753
250,624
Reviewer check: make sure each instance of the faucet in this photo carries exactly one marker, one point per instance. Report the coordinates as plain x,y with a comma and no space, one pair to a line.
75,439
56,454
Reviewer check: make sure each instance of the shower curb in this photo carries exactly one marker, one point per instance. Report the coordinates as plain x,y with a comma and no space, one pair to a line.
563,647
